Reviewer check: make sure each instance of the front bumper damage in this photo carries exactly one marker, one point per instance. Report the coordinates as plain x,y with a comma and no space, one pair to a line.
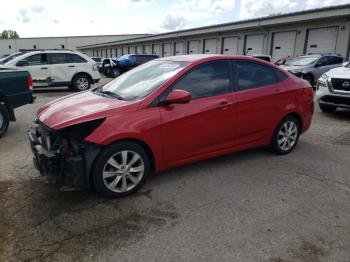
69,171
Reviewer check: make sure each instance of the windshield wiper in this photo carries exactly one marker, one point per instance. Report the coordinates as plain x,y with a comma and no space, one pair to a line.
112,94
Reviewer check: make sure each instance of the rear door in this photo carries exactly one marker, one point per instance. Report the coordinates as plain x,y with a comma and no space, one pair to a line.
206,123
39,69
260,101
325,64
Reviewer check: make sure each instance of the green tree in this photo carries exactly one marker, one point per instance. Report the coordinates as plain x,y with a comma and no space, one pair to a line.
9,34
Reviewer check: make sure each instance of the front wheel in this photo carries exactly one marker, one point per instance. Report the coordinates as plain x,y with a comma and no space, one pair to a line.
121,169
81,82
327,108
286,136
116,72
4,120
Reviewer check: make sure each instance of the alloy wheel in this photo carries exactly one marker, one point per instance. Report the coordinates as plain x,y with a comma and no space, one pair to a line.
82,83
123,171
287,135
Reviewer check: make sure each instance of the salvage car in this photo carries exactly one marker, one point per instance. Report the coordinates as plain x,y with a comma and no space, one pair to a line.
312,66
15,91
168,112
58,68
333,89
117,66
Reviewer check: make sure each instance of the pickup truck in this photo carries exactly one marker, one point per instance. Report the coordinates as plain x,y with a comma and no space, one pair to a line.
15,91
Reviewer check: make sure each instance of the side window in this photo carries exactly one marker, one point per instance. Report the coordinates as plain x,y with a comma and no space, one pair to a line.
76,59
39,59
333,60
253,75
206,80
59,58
323,61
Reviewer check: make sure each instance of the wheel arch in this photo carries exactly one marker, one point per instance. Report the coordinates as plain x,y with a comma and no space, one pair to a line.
82,73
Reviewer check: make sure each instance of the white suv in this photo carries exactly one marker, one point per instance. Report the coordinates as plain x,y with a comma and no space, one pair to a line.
59,68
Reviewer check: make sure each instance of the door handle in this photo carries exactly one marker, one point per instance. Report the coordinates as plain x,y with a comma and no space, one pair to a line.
44,68
71,66
225,104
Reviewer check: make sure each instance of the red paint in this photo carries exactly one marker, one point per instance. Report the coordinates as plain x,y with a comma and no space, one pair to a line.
187,131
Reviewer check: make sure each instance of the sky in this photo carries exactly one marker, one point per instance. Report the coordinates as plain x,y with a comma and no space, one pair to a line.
38,18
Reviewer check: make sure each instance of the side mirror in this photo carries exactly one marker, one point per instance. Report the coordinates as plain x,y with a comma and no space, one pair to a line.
178,96
22,63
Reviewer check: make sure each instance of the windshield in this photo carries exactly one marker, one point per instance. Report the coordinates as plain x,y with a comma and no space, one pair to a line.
144,79
302,61
9,58
97,59
123,57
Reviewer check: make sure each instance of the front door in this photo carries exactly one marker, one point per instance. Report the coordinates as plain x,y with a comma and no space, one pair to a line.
39,69
206,123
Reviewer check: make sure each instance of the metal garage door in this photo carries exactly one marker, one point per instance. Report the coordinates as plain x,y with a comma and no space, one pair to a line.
119,51
322,40
230,46
139,49
179,48
193,47
167,49
125,50
156,50
283,44
210,46
131,49
254,44
148,49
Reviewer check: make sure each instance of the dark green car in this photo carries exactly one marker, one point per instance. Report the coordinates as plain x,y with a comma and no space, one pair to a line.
15,91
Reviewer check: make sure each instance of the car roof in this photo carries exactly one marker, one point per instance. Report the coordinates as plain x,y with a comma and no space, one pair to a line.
206,57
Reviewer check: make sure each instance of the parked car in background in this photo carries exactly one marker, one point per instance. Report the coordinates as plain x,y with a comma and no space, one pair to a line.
10,57
118,66
333,89
169,112
3,56
106,66
310,67
15,91
59,68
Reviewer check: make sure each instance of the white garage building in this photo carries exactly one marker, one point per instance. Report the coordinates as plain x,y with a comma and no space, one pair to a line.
9,46
311,31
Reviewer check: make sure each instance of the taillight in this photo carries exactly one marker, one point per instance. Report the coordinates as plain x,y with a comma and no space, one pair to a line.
309,91
30,82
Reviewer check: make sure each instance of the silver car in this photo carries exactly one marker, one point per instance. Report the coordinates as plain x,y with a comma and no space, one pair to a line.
311,67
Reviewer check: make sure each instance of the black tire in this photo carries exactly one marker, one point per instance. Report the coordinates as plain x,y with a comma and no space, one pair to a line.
276,145
107,72
102,164
81,82
115,72
327,108
4,120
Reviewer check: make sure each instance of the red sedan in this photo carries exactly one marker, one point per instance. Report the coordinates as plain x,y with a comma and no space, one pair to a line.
168,112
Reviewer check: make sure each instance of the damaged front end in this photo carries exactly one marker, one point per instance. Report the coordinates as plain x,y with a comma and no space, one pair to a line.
62,155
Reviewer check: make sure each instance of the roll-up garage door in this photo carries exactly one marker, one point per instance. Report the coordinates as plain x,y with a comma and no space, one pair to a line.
148,49
230,46
210,46
125,50
119,51
131,49
254,44
156,49
322,40
193,47
179,48
139,49
167,49
283,44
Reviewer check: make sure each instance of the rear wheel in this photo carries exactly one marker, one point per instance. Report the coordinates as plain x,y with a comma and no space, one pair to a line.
81,82
309,78
4,120
327,108
116,72
286,136
121,169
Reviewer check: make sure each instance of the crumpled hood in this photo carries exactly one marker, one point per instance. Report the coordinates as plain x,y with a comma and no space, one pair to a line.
339,72
78,108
